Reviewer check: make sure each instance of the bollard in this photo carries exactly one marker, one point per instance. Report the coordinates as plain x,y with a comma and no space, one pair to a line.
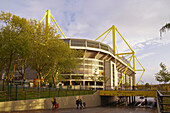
23,85
49,92
16,92
8,86
85,90
59,92
38,91
79,90
25,94
66,90
73,90
3,86
10,89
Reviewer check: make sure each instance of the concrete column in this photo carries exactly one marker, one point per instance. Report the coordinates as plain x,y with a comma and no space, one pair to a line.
83,83
126,101
95,85
129,100
88,83
134,80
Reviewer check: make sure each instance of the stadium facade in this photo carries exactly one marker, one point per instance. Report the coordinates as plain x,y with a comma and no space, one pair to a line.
98,61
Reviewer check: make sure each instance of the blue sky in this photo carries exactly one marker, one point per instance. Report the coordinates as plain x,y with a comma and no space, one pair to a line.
138,21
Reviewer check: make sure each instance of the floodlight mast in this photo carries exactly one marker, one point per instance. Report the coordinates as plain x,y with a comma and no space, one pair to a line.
132,53
114,30
48,18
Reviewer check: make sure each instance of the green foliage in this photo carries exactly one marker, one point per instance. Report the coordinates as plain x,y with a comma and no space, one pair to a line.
14,41
126,84
23,43
147,85
45,49
51,55
101,78
163,75
164,28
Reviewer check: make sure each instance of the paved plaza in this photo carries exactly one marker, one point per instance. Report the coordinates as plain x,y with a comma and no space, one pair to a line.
122,109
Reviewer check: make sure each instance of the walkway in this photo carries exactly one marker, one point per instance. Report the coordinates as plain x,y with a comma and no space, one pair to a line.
122,109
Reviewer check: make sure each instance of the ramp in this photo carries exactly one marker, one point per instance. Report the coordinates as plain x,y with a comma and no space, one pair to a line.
146,93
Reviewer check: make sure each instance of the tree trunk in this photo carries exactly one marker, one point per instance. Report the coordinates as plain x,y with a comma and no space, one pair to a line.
9,66
25,67
54,81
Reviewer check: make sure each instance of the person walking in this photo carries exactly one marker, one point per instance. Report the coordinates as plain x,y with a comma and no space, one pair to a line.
77,103
53,101
84,105
80,103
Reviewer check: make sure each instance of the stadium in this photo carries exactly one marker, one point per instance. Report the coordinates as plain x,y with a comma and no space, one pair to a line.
102,65
98,61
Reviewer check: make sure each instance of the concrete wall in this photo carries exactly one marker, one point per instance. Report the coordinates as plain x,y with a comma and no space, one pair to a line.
106,100
107,72
64,102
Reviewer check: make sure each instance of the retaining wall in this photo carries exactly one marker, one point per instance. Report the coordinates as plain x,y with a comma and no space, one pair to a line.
64,102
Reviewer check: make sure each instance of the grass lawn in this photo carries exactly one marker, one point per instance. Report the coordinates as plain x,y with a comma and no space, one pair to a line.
36,93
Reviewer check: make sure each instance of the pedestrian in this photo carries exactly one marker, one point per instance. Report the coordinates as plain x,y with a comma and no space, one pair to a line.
84,105
133,87
53,101
80,103
146,101
77,103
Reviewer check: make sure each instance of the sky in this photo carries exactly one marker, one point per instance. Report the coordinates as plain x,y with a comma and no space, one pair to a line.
139,22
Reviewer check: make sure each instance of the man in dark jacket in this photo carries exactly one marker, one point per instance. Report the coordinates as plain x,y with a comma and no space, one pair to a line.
80,102
77,103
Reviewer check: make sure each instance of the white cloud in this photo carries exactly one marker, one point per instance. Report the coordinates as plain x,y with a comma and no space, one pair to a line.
138,21
146,55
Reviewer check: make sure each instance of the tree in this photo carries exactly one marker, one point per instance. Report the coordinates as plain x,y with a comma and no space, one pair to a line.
100,78
103,79
45,50
164,28
126,84
14,34
163,75
23,43
49,55
147,85
68,61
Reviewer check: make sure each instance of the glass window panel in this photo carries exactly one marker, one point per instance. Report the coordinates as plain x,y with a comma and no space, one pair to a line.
78,43
104,47
92,44
101,63
100,68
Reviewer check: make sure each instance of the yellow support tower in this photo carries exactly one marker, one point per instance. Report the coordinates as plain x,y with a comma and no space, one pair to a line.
114,39
114,30
143,69
48,18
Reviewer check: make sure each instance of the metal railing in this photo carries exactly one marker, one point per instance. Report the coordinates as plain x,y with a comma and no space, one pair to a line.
20,92
139,88
163,102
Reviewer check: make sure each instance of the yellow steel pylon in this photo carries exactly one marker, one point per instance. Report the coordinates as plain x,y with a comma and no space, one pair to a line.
114,30
48,18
